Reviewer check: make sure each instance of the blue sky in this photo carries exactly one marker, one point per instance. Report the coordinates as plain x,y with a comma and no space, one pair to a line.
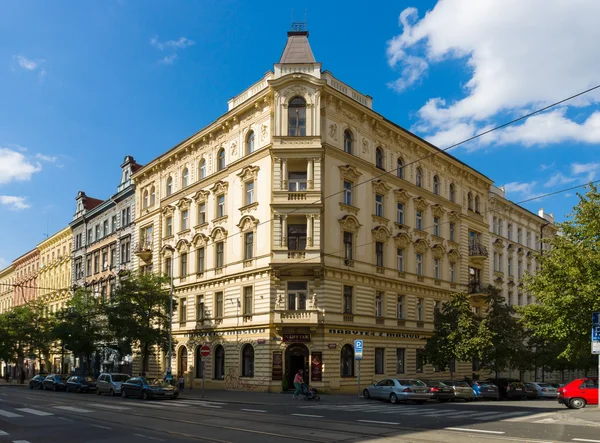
85,83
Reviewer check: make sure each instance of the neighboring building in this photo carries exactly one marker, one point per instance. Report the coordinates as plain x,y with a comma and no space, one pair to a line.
286,239
26,269
54,277
7,278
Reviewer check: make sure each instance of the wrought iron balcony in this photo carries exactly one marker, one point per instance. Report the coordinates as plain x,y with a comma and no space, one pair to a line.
476,287
296,317
143,249
477,250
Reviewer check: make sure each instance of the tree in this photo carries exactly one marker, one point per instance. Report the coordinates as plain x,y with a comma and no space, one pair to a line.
567,287
139,314
459,334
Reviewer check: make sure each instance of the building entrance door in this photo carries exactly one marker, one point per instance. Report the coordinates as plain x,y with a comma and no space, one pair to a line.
296,357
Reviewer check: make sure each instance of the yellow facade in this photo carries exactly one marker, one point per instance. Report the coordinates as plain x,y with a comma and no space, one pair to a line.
7,279
54,277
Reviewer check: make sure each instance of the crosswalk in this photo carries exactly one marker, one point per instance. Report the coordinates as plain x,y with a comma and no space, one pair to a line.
6,434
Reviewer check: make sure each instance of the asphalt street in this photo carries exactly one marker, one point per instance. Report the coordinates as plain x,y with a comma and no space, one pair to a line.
43,417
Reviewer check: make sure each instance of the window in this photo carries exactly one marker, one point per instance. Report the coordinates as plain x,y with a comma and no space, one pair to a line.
348,193
97,232
379,253
347,299
219,363
202,169
452,192
510,266
347,142
348,246
182,309
452,228
347,361
400,360
200,260
152,196
220,206
248,300
220,260
296,237
113,256
221,159
420,360
494,225
248,361
400,168
470,201
528,237
519,269
379,360
248,245
105,260
219,305
400,307
452,273
105,231
419,258
90,236
420,313
185,220
379,205
145,199
183,264
400,213
169,186
477,204
96,263
500,227
185,178
379,304
379,158
519,236
419,220
250,143
297,295
113,224
125,216
297,117
297,181
419,179
200,307
169,267
169,227
400,259
537,242
201,213
436,185
436,226
89,266
249,192
436,268
125,251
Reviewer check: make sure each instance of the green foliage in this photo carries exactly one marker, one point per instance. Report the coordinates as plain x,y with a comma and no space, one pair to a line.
567,287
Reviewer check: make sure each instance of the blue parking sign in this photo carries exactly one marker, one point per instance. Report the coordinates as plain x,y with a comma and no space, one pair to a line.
358,349
596,333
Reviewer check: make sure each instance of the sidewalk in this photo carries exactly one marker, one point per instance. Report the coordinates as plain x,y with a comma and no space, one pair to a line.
260,398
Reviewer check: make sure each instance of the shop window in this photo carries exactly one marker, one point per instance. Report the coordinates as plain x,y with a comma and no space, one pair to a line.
379,360
248,361
420,361
347,361
219,363
400,352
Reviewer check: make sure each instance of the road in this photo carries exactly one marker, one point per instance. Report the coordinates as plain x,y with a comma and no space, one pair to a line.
44,417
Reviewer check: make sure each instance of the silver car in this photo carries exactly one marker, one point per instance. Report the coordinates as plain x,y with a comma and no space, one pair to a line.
462,390
110,383
544,390
397,390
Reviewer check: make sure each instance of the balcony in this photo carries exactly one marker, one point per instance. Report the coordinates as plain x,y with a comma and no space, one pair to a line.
476,290
297,317
291,256
477,252
143,250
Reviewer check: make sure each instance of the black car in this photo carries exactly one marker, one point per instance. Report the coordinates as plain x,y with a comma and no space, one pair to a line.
81,383
55,382
148,388
439,391
509,388
37,381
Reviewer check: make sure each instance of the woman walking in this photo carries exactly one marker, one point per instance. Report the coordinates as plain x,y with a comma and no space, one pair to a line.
298,380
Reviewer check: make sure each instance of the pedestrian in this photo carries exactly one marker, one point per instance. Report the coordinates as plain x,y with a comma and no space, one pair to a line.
298,380
181,382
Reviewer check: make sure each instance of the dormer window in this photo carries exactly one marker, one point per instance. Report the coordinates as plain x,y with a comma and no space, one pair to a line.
379,158
250,143
297,117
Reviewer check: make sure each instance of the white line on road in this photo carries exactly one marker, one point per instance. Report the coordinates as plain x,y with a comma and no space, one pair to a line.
20,441
586,439
34,411
522,416
308,415
73,409
9,414
378,422
116,408
101,427
3,433
483,431
253,410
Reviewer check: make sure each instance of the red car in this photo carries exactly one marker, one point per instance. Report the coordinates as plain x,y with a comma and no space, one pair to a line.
578,393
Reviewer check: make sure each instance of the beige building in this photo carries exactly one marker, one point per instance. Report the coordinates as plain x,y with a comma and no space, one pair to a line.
54,277
7,279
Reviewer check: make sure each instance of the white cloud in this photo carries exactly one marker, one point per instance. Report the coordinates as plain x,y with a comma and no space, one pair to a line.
520,56
13,202
168,59
25,63
558,179
545,167
171,45
46,158
590,169
524,190
15,166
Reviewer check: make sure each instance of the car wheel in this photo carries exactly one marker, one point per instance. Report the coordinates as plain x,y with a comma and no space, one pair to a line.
78,389
98,392
145,395
123,393
112,393
393,399
366,394
577,403
54,388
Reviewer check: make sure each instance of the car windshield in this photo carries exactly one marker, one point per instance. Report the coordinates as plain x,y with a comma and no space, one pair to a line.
155,382
412,383
89,378
435,383
464,384
120,377
545,385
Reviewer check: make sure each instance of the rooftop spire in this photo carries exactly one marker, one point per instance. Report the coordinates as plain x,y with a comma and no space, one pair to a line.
297,48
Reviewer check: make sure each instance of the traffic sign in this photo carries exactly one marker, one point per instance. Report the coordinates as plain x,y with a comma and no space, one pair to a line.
205,351
596,333
358,349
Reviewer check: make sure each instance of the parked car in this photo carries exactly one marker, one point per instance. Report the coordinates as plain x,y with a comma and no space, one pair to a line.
81,383
397,390
439,391
55,382
462,390
110,383
509,388
37,381
484,390
544,390
148,388
530,391
579,393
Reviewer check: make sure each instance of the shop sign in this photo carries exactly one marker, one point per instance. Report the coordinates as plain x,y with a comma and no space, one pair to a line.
298,338
224,333
376,333
277,370
316,366
332,346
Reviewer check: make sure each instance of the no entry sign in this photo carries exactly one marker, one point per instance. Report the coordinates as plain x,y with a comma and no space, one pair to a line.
205,351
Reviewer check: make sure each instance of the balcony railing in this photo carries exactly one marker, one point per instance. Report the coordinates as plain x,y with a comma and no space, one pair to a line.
294,317
143,249
476,287
477,250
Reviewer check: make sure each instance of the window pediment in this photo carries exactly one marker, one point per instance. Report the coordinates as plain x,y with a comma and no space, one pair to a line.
184,203
220,187
420,203
402,240
401,195
381,233
349,223
248,173
438,250
380,187
200,240
218,234
349,172
454,255
168,210
167,250
438,210
498,244
182,245
247,223
453,216
200,196
421,246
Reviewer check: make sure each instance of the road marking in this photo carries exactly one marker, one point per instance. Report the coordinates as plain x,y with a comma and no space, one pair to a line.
253,410
34,411
101,427
482,431
116,408
308,415
73,409
20,441
3,433
586,439
202,402
526,417
9,414
378,422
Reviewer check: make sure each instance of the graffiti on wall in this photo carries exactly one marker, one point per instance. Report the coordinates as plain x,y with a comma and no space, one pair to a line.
235,382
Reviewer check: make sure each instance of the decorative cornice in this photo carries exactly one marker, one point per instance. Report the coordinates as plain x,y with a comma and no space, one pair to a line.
349,172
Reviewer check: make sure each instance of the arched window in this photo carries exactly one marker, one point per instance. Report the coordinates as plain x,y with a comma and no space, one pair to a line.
477,204
436,185
202,169
250,143
183,363
452,192
348,142
169,186
400,167
379,158
145,203
185,176
219,373
198,363
297,117
248,361
152,196
347,361
419,179
221,160
470,201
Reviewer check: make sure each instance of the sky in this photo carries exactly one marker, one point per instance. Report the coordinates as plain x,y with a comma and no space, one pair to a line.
83,84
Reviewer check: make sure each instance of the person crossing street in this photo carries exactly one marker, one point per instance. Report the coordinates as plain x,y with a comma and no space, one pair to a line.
298,380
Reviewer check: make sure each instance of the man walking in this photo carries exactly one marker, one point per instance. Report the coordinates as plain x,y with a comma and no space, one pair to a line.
298,380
